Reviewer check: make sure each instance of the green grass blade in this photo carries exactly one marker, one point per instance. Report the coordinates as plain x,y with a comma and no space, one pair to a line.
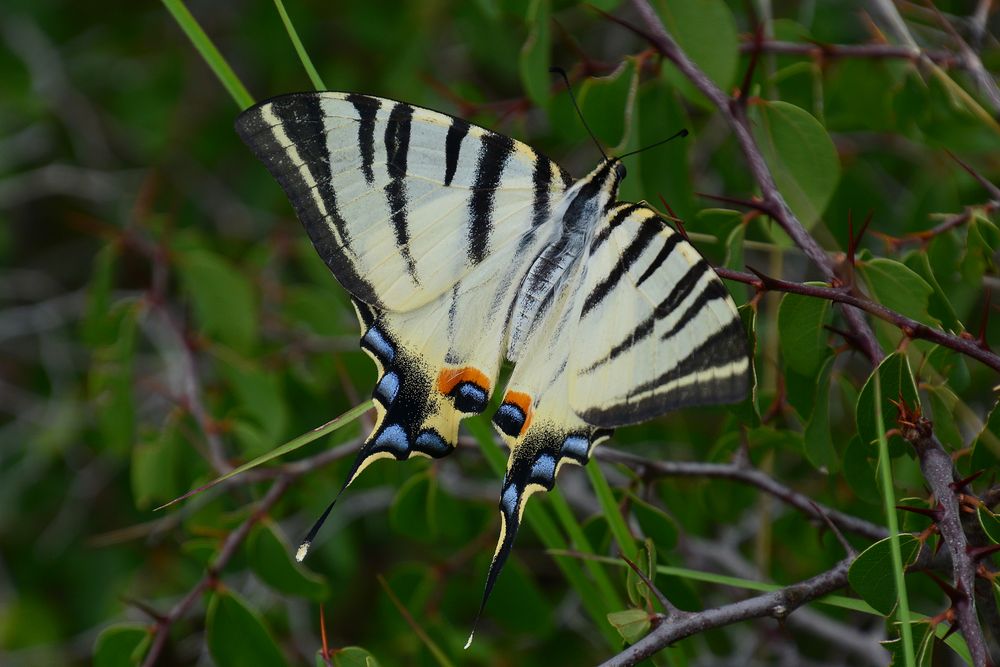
889,504
611,511
317,82
290,446
209,53
577,537
542,524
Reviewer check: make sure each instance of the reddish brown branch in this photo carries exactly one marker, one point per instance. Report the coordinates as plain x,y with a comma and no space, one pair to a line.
773,202
910,327
821,51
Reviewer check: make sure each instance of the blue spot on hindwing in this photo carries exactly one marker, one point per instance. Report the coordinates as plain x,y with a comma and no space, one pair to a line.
508,501
393,438
544,470
510,419
469,397
388,387
576,446
379,344
432,444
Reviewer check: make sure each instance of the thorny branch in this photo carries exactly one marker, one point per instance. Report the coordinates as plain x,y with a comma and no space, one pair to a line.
935,463
734,112
777,604
746,475
939,472
909,326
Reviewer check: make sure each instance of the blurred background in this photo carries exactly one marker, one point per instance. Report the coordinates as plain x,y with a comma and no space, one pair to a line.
163,317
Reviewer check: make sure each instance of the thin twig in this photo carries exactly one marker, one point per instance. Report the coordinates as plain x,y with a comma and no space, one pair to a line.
746,475
913,329
233,541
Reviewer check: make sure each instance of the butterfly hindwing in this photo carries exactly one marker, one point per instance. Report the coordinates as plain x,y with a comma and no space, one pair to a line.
401,202
658,329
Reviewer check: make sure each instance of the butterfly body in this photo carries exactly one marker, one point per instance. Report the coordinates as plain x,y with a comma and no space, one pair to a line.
461,248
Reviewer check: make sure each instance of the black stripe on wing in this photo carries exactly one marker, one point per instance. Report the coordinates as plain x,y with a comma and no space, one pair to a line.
366,107
605,232
452,147
493,155
300,118
727,347
648,229
677,295
397,149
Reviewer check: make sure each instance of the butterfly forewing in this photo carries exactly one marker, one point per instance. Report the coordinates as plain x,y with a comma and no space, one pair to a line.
401,202
658,329
443,232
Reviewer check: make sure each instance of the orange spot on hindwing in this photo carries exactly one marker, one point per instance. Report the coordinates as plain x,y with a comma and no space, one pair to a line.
515,413
468,387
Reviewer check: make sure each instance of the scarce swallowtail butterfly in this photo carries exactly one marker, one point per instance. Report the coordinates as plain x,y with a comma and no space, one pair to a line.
460,248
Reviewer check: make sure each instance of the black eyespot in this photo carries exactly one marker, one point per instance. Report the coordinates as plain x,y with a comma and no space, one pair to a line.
620,171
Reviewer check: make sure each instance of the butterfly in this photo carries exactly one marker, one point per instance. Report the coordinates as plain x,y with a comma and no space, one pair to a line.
460,248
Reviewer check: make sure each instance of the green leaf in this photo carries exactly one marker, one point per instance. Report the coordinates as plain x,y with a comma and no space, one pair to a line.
121,645
859,473
412,510
353,656
818,438
535,54
801,335
608,104
270,557
870,575
110,382
154,469
664,170
656,524
986,447
97,327
899,288
236,635
261,402
897,381
800,155
943,403
734,248
706,31
990,523
939,306
632,624
224,302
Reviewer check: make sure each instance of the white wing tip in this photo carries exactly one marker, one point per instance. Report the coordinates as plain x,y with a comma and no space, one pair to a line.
300,555
468,642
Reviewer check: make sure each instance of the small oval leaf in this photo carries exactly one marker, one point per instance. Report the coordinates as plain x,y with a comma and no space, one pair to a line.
236,634
270,557
871,576
801,157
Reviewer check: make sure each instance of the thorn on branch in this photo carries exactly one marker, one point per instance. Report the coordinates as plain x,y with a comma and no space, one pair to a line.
960,484
932,514
744,91
981,553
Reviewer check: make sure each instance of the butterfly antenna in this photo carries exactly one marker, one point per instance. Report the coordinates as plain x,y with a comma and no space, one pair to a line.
680,134
561,72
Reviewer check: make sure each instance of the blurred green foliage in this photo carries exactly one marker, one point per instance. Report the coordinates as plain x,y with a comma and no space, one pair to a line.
150,266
